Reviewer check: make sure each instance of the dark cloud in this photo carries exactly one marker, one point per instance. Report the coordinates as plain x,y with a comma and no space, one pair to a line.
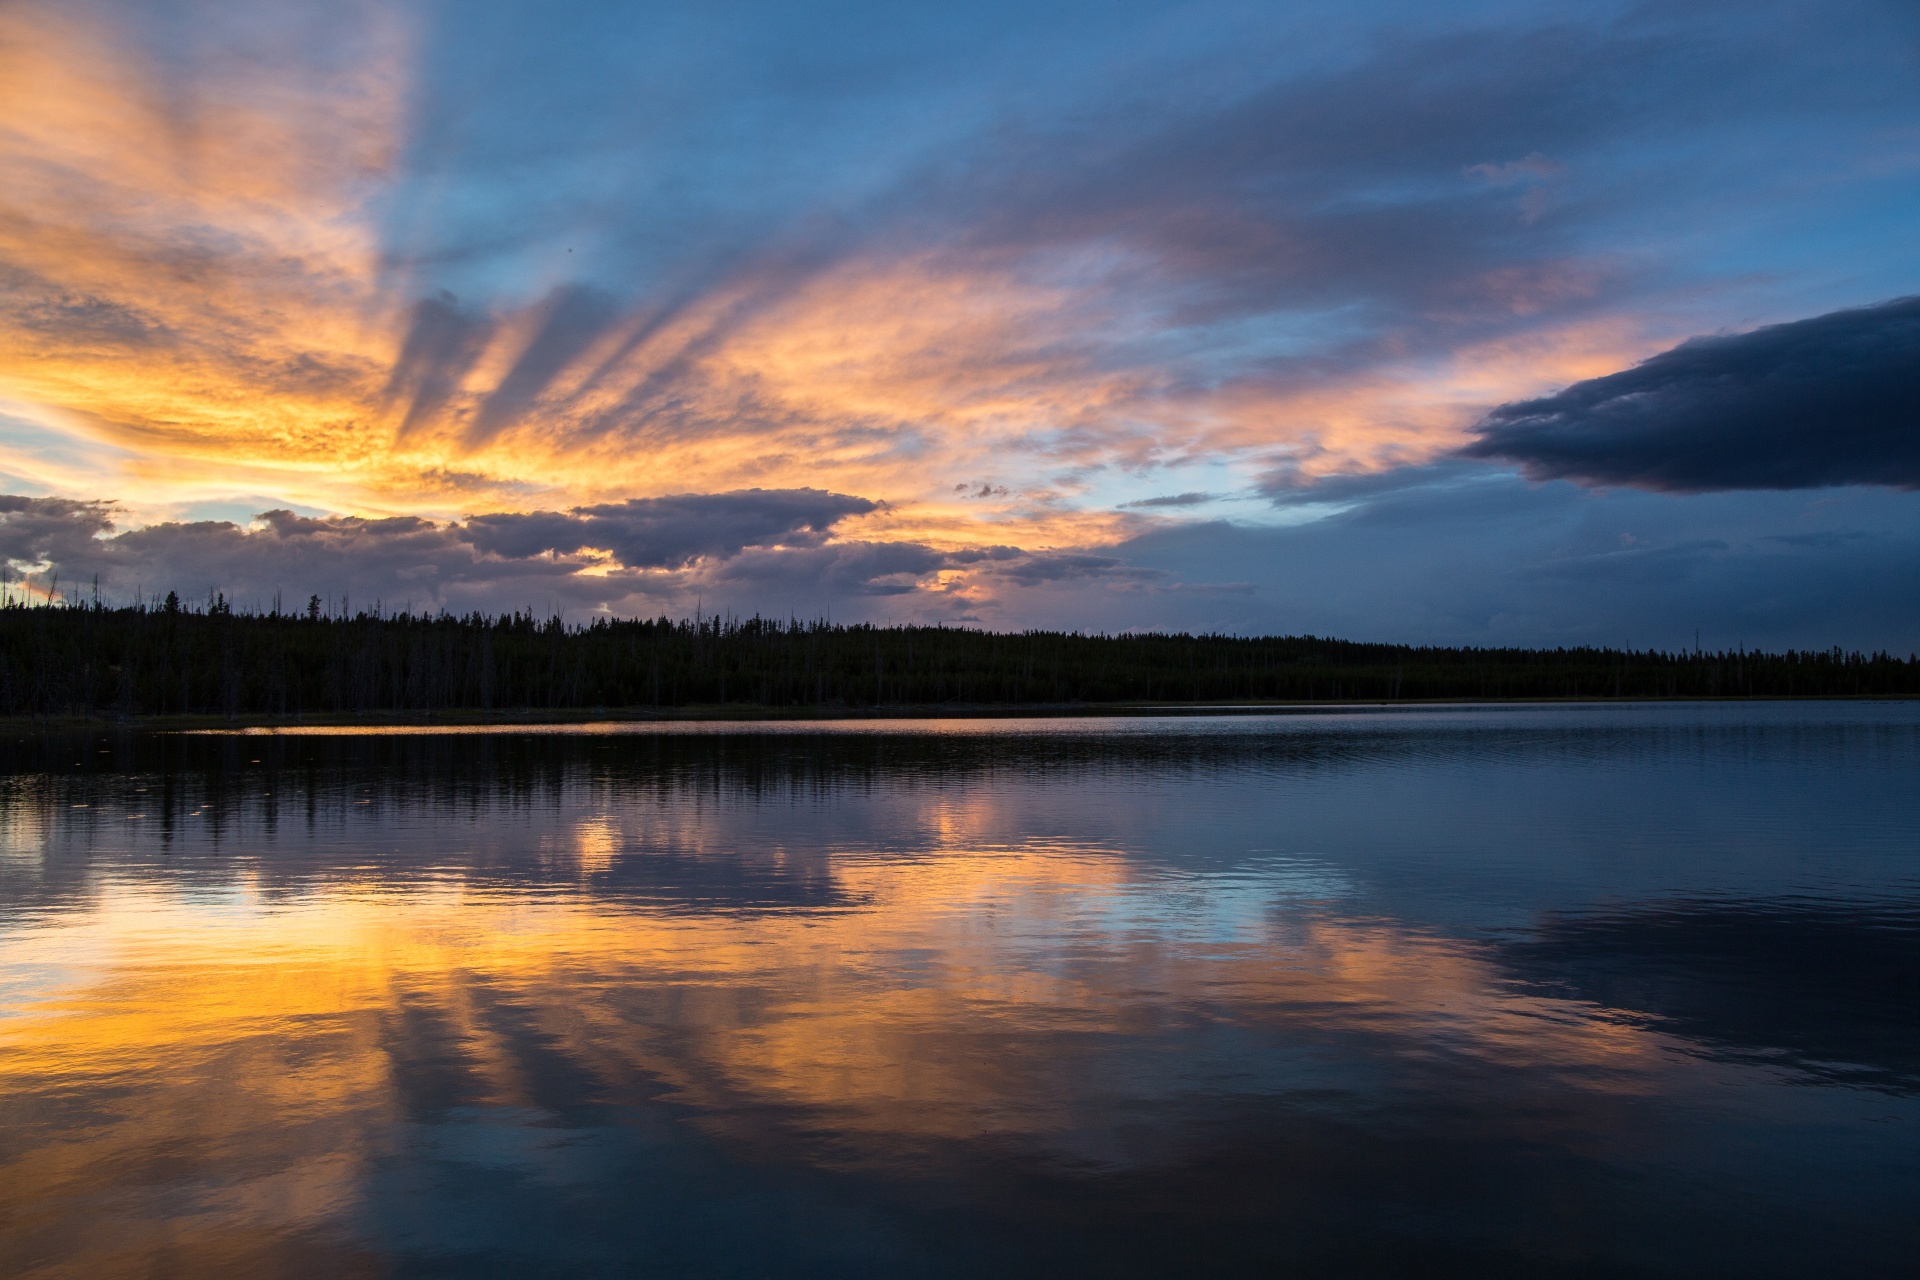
398,561
1834,400
56,531
659,547
674,531
1458,553
1172,500
751,551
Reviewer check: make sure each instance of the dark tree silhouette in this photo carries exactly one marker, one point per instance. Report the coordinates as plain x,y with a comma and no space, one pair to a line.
176,659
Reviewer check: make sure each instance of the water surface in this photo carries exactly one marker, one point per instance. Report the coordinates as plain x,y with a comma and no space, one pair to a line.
1532,991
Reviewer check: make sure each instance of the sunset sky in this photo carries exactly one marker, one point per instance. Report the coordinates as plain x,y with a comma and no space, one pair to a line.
1256,317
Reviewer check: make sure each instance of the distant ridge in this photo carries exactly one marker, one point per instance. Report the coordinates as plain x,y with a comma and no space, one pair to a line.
82,659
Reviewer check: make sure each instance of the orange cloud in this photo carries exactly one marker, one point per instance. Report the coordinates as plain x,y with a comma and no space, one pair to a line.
198,306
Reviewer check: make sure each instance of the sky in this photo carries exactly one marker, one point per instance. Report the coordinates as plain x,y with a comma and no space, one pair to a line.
1514,323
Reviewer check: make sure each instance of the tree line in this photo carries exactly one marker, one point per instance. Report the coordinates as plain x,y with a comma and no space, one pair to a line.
67,659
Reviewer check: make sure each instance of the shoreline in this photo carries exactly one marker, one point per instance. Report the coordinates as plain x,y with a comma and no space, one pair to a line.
536,718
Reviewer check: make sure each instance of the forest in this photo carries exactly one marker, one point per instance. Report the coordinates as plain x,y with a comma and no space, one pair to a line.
80,659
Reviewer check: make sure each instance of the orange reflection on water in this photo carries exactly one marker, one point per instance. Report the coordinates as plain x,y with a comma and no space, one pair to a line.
232,1067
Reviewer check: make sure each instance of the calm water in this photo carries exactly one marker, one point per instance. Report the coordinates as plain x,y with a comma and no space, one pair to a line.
1538,991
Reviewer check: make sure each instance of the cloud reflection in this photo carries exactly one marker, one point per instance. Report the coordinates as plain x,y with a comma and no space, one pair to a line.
357,997
271,1042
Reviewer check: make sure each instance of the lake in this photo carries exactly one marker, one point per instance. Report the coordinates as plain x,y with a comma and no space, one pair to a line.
1547,990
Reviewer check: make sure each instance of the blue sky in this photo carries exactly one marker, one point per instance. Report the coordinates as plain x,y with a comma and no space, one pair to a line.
1108,316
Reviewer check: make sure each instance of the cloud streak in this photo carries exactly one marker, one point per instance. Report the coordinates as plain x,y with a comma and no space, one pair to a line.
235,253
930,310
671,532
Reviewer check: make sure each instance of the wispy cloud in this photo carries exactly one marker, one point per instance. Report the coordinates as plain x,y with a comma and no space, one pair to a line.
203,267
976,279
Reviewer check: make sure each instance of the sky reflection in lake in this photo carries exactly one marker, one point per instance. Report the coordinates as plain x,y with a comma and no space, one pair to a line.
1534,991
